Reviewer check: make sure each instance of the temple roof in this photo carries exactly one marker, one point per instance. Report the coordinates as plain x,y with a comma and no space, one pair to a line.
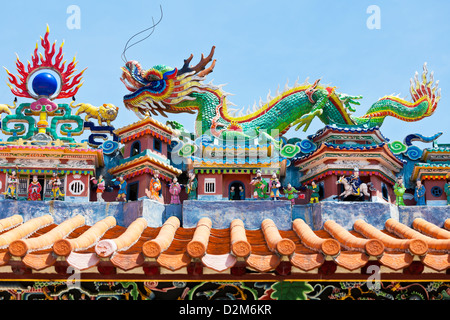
330,130
144,162
40,245
24,149
145,126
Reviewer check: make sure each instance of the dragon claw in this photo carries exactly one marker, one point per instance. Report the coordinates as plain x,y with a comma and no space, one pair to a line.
306,119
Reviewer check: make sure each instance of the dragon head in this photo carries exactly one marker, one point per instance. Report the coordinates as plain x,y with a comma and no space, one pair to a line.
161,89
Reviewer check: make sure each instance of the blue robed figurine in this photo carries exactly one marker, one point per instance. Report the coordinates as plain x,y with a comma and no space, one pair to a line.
355,182
419,193
122,194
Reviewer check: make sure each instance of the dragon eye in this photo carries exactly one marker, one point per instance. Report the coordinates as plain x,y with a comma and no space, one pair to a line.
44,82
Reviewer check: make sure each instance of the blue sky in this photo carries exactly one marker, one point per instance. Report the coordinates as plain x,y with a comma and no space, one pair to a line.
259,46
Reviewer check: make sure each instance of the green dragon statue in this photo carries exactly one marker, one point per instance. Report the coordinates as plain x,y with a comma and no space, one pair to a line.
163,90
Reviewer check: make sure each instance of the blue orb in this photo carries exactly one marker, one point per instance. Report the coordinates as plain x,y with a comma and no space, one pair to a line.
44,84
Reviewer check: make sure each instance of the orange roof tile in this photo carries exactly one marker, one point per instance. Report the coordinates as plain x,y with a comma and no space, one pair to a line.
39,243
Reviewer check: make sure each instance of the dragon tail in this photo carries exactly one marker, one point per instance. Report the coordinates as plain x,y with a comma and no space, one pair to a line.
425,98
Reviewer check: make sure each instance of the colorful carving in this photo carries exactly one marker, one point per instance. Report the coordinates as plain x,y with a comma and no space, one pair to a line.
46,78
163,90
122,193
315,192
49,65
175,190
55,183
447,191
241,193
354,187
34,190
191,188
419,193
154,188
290,191
6,108
232,193
13,183
399,191
235,291
260,185
274,187
101,186
104,113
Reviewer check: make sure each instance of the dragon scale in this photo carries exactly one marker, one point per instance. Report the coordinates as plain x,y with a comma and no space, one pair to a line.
163,90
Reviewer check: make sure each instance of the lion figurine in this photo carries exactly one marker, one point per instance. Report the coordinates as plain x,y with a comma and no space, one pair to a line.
105,113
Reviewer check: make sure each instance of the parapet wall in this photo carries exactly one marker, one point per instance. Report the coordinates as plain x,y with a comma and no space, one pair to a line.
221,213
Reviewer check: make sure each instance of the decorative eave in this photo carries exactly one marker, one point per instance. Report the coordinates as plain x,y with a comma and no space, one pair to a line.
436,155
235,162
383,174
142,165
326,150
145,126
40,171
332,160
330,130
80,152
430,171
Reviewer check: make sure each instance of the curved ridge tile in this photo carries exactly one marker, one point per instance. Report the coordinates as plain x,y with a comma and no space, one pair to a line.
430,229
415,246
275,242
24,246
196,248
402,230
153,248
239,242
106,248
64,247
372,247
312,241
25,230
447,224
10,222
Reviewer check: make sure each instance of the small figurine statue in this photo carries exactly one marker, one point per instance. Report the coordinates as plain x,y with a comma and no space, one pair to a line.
355,182
241,193
100,187
34,190
155,188
274,186
191,188
399,190
175,189
447,190
55,183
232,193
290,191
13,184
419,193
122,194
315,192
260,186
